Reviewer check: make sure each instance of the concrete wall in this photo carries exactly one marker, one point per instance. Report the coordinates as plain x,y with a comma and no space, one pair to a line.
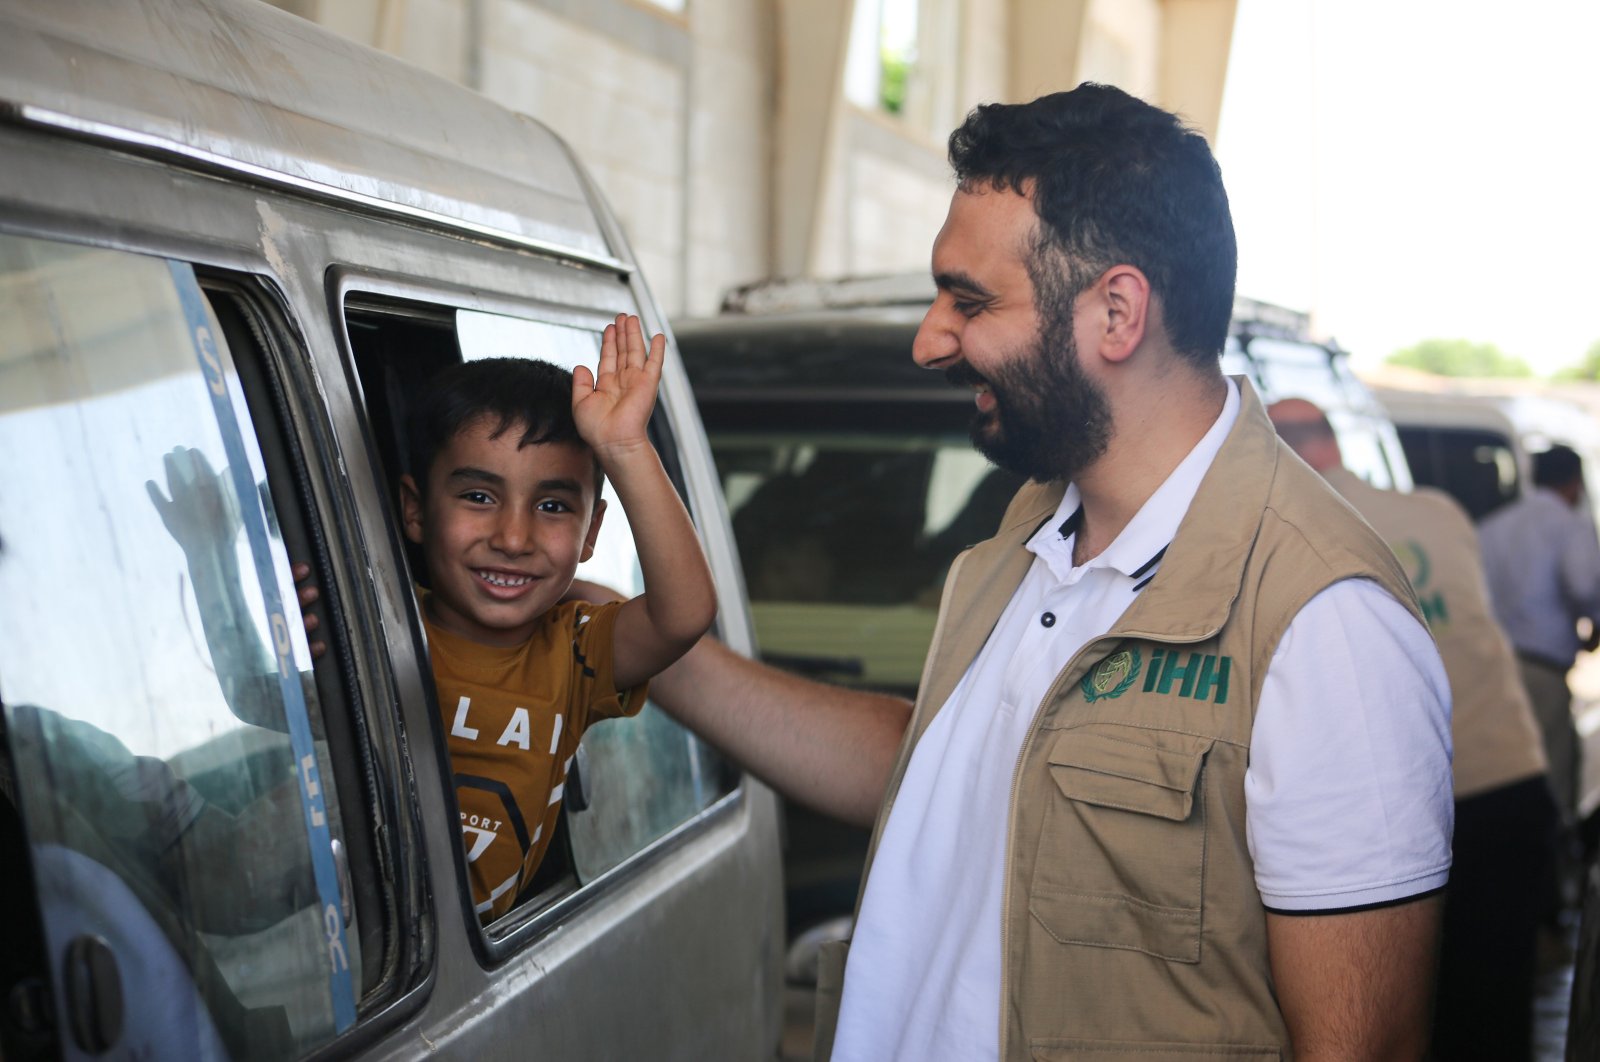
725,144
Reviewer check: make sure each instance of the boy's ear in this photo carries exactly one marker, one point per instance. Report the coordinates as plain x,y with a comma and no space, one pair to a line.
594,529
411,508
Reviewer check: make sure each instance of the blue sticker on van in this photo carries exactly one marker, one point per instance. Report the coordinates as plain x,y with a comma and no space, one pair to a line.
313,803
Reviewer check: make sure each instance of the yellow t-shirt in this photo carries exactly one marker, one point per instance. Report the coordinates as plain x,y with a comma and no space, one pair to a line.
512,718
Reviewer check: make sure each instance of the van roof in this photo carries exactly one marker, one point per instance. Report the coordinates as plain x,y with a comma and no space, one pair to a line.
242,87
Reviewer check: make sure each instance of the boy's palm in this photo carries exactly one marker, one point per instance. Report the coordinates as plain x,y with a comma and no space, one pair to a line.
613,408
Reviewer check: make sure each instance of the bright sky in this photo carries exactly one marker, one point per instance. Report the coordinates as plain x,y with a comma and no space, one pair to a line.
1409,169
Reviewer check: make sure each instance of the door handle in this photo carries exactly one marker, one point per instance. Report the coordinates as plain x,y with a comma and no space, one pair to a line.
94,994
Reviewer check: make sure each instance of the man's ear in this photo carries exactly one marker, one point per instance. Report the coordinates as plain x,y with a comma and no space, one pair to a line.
594,529
1125,292
411,508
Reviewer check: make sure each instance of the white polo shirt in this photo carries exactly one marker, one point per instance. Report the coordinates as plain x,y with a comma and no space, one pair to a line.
1346,808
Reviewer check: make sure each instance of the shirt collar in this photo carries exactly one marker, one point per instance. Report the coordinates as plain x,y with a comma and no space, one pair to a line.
1137,550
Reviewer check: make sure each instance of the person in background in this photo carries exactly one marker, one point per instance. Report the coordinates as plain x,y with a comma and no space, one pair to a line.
1543,562
1504,844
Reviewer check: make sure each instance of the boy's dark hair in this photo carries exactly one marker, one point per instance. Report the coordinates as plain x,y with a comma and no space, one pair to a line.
510,391
1114,180
1557,467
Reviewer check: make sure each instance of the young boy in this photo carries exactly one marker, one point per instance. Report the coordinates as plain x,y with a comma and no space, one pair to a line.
505,502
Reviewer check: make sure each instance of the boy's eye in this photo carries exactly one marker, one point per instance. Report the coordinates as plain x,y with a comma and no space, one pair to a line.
477,497
554,505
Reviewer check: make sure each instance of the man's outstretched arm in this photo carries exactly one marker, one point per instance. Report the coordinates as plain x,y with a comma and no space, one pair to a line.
827,747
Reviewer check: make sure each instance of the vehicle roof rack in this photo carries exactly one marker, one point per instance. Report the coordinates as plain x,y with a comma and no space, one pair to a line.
1269,319
809,293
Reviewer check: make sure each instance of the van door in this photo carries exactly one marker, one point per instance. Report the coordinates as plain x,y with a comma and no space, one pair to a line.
168,763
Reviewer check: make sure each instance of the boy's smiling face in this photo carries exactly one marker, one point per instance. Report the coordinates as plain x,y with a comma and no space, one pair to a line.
503,528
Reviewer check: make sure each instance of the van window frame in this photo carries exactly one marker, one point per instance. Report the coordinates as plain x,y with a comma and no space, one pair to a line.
386,292
353,632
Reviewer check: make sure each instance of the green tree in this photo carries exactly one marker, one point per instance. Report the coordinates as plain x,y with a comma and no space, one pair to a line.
896,71
1587,369
1460,357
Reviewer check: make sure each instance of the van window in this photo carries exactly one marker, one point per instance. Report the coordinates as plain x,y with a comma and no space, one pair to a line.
847,516
1288,369
1478,468
168,752
637,778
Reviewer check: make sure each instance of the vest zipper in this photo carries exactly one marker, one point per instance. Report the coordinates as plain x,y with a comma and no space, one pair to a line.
1011,822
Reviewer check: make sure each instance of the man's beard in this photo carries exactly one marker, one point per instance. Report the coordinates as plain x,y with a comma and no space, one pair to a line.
1050,420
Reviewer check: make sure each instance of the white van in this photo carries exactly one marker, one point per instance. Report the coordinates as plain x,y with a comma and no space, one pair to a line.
232,249
1478,446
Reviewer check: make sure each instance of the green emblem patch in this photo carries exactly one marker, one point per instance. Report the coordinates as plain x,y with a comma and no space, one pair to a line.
1112,676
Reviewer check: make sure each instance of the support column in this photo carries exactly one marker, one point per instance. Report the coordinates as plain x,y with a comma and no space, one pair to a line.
1196,37
813,36
1046,39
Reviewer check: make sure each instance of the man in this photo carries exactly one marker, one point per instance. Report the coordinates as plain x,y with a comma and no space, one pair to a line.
1543,564
1505,820
1149,799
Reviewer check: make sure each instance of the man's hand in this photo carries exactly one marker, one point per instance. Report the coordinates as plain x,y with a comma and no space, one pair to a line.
202,514
613,410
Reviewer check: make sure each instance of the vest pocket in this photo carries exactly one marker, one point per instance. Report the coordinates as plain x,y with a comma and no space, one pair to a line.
1121,855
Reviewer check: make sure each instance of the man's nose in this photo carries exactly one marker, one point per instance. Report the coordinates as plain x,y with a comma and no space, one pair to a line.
937,344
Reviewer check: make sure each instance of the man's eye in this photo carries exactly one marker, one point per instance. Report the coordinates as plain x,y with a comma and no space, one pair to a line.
967,308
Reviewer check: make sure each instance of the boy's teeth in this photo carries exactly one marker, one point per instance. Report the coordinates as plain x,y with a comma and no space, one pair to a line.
503,580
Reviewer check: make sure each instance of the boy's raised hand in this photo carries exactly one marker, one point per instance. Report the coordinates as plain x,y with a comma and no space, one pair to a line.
613,410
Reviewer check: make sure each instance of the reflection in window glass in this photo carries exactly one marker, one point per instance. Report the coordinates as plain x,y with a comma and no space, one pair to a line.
144,716
643,775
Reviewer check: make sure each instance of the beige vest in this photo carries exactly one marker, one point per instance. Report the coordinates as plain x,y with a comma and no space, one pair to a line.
1496,738
1132,927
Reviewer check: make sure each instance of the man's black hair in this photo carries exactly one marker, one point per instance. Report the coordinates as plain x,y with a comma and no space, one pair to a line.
1114,180
512,392
1557,467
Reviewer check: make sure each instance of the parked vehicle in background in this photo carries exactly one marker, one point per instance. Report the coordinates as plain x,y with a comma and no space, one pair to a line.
1272,346
852,486
1478,446
232,251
